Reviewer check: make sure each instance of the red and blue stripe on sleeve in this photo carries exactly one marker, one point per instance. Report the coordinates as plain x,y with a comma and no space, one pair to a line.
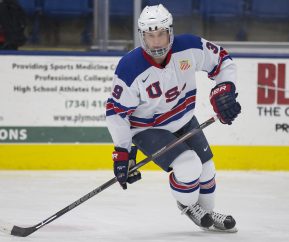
222,57
113,108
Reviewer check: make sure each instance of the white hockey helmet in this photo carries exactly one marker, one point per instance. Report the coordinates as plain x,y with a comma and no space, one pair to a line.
154,18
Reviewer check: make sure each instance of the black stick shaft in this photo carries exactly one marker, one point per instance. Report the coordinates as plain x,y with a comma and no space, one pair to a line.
23,232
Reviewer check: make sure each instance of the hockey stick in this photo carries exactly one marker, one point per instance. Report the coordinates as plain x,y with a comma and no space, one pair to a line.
23,232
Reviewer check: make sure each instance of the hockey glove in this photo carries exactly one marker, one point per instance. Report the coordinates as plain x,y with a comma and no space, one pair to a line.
223,99
123,161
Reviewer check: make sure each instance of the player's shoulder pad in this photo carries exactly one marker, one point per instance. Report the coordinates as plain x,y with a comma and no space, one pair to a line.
131,65
186,41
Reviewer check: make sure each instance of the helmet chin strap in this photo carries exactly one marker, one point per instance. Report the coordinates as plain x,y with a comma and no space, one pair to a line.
156,53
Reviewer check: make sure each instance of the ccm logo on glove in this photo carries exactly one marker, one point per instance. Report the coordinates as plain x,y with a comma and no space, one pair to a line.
123,161
119,156
223,100
220,90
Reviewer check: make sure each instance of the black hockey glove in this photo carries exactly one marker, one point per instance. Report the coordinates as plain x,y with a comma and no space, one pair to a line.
123,161
223,99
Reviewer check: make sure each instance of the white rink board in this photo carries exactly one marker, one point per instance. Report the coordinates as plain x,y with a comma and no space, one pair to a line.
25,76
40,88
251,127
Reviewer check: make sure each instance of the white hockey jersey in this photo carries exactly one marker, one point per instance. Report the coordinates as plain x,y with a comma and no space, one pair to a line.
148,95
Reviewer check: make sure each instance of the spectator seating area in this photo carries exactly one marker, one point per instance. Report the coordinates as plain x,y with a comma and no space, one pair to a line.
270,10
57,10
210,11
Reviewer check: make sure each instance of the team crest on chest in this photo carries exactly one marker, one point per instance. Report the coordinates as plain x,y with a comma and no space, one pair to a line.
184,65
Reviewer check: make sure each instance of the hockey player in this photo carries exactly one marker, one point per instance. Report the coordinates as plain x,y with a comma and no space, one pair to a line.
152,104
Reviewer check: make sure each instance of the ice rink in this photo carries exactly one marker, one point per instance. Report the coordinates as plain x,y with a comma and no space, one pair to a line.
259,201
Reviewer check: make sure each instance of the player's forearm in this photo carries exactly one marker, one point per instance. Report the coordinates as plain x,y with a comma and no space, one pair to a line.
228,73
119,129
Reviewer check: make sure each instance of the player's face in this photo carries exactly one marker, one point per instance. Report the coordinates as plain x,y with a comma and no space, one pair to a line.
156,39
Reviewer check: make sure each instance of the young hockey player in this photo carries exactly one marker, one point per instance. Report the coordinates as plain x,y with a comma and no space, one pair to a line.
152,104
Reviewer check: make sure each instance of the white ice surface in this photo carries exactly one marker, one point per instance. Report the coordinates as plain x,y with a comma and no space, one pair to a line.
259,201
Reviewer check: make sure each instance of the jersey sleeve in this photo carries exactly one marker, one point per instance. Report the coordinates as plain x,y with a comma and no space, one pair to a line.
120,105
217,63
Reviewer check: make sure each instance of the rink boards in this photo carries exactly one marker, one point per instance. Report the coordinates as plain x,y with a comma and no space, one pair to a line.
52,112
86,157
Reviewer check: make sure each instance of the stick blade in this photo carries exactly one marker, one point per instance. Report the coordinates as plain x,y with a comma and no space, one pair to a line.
10,229
22,232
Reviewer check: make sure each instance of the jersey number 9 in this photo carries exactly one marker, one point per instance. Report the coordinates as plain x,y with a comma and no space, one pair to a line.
117,91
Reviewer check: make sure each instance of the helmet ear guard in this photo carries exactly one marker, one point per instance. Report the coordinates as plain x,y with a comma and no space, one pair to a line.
154,18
